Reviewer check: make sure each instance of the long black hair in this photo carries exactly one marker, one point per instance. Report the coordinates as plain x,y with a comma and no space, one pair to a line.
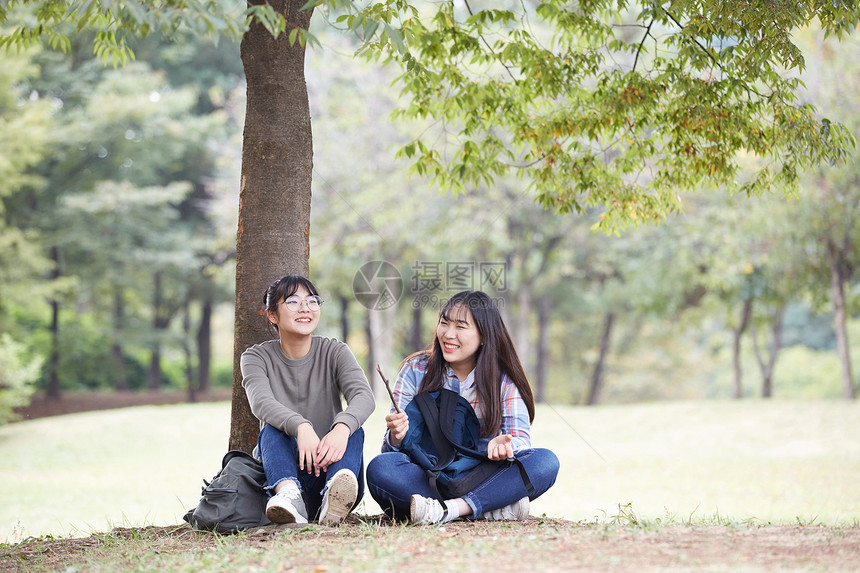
281,290
496,356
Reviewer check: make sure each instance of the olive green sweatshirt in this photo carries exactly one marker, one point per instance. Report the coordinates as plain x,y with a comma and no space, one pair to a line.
284,392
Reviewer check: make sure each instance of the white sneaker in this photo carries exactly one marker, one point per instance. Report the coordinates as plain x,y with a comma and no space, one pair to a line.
425,510
287,506
517,511
339,497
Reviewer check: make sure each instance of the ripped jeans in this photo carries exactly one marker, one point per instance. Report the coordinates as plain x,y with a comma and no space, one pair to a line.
280,455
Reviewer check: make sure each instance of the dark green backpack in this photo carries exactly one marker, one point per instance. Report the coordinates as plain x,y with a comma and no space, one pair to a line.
235,499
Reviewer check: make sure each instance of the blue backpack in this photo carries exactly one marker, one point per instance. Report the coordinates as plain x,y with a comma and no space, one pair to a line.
443,439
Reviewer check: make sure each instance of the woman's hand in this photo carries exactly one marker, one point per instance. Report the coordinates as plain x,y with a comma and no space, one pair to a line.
332,447
307,441
398,425
500,448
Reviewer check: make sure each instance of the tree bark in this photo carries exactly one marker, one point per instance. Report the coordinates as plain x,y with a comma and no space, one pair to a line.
275,190
837,287
738,332
542,348
597,374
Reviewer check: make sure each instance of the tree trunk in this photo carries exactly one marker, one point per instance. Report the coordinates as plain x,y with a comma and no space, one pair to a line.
768,365
542,348
204,347
837,286
371,354
52,390
344,317
524,313
417,342
187,351
505,298
120,378
597,374
275,190
746,312
154,376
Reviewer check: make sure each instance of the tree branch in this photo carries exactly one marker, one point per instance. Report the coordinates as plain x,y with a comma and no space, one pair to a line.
642,43
708,52
487,44
696,41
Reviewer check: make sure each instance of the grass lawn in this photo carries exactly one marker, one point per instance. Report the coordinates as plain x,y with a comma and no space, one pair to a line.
780,462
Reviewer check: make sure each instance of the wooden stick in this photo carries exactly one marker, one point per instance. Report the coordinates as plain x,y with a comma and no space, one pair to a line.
388,387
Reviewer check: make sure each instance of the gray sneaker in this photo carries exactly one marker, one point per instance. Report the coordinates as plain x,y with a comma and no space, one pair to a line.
517,511
339,497
287,506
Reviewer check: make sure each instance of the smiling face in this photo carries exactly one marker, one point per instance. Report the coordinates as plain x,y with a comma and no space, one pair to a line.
296,315
459,339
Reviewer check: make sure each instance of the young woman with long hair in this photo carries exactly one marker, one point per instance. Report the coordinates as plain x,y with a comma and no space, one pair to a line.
472,354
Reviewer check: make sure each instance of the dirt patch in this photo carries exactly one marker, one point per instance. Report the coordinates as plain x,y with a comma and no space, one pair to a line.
553,545
74,402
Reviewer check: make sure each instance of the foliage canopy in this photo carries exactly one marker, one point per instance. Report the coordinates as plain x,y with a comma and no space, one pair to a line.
611,104
607,104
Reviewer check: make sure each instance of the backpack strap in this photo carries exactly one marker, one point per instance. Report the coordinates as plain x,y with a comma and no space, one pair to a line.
447,408
530,488
430,412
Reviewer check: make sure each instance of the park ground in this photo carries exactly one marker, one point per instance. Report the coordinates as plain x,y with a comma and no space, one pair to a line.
371,544
810,468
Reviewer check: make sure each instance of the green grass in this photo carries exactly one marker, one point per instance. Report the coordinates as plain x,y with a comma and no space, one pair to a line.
780,462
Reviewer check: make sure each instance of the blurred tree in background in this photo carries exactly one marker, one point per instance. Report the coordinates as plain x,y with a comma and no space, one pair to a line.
121,206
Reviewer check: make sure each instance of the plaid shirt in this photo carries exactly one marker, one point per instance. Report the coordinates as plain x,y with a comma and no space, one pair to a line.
515,415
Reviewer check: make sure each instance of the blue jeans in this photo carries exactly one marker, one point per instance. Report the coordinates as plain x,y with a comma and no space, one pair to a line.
280,455
392,479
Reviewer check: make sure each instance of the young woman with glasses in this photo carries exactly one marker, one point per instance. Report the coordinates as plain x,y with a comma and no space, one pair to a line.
311,448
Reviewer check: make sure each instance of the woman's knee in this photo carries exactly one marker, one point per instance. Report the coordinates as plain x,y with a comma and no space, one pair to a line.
356,440
387,470
549,460
542,466
273,441
378,468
